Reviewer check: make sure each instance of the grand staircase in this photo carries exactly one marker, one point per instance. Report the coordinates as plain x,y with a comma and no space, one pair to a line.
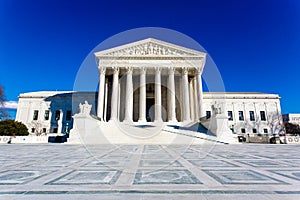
90,130
195,130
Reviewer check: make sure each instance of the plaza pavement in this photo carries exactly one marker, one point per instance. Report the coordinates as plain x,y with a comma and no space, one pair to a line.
208,171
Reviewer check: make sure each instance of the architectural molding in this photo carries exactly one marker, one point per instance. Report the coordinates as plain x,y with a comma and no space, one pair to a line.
150,47
102,70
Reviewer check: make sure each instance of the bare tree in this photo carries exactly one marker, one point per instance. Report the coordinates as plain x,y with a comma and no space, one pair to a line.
276,124
273,123
272,126
292,128
37,128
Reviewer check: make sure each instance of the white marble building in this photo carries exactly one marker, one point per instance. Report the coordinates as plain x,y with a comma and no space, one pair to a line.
150,73
293,118
152,81
246,111
51,111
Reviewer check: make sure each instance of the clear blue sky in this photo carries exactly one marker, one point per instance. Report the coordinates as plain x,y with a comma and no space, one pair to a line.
255,44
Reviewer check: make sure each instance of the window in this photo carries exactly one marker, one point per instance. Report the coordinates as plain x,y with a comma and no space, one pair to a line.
208,114
241,116
44,130
35,115
252,118
265,130
67,130
55,130
254,130
32,130
262,115
243,130
68,115
230,117
46,115
57,115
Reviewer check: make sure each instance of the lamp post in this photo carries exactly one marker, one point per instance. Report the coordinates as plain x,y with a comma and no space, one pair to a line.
232,129
67,129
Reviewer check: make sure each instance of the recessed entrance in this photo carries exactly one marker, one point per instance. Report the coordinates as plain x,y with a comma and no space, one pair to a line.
150,102
150,109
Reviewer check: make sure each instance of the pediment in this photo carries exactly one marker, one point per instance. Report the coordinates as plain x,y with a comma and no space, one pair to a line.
148,48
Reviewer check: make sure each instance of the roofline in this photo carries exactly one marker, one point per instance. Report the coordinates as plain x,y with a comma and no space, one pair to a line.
217,95
46,94
241,95
168,44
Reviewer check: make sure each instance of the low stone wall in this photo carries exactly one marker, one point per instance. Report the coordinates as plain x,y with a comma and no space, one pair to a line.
292,139
24,139
261,139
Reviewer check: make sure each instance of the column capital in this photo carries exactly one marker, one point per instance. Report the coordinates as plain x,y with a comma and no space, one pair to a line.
185,70
171,70
102,70
157,69
198,70
129,70
142,70
115,69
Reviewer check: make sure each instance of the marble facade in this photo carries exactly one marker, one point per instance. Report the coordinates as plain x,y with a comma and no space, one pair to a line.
152,81
162,80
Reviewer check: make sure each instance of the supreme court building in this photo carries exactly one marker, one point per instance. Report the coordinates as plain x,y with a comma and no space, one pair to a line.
150,81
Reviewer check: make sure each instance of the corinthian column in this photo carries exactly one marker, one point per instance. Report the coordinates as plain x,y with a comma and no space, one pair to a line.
142,110
171,87
114,95
199,94
192,103
186,102
129,96
157,95
101,93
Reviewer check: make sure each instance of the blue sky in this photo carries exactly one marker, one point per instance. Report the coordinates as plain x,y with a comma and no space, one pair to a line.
255,44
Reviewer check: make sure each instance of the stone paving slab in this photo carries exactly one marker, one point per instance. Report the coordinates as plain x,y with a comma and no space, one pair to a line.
60,171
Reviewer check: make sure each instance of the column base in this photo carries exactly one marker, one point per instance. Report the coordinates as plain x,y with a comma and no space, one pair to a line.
158,121
128,121
173,121
113,120
186,122
142,121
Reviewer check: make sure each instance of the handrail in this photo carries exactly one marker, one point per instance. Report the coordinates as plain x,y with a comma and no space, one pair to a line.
96,117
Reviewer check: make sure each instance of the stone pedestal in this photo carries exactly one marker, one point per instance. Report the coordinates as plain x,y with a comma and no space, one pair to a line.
79,125
86,130
219,127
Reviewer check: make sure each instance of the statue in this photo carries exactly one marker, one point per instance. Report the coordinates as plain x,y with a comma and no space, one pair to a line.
216,108
85,108
80,108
